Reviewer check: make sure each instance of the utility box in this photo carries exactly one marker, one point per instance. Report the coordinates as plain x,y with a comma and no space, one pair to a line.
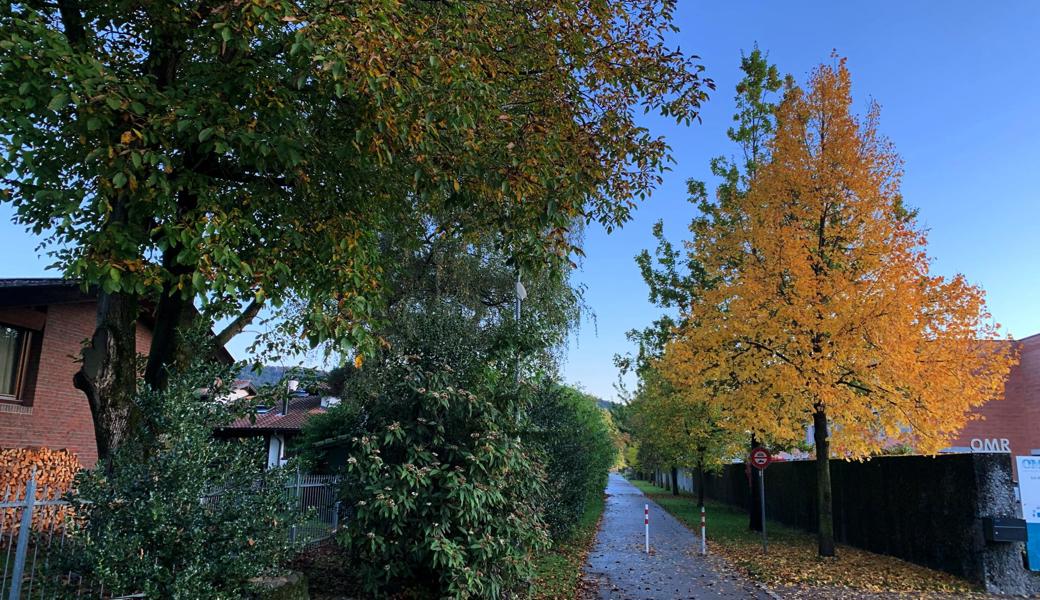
1004,529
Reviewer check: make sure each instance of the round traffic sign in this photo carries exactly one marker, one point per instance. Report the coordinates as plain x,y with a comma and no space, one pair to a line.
760,458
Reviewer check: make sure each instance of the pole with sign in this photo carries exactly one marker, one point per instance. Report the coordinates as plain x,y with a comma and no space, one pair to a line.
760,459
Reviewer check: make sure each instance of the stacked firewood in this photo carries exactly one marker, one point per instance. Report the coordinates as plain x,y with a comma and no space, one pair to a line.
55,471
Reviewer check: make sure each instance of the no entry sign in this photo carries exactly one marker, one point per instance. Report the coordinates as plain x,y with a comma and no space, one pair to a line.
760,458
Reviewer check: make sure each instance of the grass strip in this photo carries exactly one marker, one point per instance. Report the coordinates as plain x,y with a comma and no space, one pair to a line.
558,572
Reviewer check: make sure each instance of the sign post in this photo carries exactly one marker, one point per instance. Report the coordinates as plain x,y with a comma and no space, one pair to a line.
760,459
1029,489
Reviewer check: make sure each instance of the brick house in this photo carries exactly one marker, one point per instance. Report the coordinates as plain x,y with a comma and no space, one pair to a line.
43,326
1011,424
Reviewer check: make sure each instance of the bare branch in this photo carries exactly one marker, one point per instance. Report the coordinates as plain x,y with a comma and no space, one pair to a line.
241,321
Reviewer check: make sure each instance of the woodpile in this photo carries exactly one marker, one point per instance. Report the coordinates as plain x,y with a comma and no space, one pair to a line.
55,472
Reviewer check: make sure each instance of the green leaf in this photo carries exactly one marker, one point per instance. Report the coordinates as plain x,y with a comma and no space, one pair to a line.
205,134
59,101
118,180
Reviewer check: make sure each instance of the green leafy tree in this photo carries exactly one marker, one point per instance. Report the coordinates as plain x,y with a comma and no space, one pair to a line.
238,156
445,483
443,490
679,427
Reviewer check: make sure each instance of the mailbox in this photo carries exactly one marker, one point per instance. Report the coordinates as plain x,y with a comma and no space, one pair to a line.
1004,529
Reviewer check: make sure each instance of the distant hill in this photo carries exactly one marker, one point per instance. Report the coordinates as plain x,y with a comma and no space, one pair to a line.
271,374
607,404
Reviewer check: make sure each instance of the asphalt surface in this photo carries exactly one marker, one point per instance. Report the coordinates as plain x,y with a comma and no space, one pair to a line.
619,568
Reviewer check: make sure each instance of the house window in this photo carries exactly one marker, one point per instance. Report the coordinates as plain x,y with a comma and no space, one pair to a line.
14,353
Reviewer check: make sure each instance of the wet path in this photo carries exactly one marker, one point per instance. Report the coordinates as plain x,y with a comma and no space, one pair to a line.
674,570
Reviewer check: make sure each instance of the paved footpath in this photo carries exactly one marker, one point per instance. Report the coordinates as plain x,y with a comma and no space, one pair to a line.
621,570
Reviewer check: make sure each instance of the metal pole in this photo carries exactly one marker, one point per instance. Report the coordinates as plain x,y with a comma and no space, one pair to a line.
646,524
516,313
704,543
762,503
23,538
518,299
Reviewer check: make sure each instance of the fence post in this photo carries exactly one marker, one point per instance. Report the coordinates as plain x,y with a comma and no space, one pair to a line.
22,549
335,516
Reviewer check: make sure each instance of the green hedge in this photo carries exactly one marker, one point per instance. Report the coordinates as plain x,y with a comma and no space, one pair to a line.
574,442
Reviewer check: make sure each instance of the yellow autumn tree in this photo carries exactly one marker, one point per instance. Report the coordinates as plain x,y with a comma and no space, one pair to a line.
681,428
823,309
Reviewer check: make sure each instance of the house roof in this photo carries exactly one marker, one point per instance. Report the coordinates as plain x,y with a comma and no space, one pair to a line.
301,408
41,291
244,384
46,291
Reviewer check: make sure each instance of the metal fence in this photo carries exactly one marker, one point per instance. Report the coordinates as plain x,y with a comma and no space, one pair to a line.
315,498
34,525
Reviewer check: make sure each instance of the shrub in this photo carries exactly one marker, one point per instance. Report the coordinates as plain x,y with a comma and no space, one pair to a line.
574,441
443,492
177,513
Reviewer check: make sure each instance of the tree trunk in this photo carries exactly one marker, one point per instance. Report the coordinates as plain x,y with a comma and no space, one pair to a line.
675,481
171,315
108,372
754,508
700,483
825,509
174,311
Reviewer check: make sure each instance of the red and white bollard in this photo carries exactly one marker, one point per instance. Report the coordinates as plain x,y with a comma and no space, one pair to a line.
646,524
704,543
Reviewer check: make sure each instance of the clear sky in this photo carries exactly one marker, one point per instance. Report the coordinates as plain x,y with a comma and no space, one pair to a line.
960,99
960,96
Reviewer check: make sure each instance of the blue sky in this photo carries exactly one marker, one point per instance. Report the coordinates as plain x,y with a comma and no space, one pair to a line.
959,94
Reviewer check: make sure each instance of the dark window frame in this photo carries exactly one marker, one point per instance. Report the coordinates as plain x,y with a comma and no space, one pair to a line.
24,378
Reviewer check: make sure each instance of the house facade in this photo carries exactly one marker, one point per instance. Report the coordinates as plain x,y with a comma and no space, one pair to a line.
43,326
1011,424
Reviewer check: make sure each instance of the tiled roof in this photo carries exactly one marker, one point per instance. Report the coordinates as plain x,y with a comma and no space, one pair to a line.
36,281
300,409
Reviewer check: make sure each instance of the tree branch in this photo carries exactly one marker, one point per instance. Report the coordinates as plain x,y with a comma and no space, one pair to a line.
72,20
241,321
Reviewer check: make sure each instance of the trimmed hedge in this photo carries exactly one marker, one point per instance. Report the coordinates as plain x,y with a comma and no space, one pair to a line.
574,443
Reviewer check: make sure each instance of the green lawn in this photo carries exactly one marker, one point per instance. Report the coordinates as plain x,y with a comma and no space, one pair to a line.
725,522
558,572
792,558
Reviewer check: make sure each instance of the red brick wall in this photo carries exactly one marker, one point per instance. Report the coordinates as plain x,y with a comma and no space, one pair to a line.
60,414
1015,417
